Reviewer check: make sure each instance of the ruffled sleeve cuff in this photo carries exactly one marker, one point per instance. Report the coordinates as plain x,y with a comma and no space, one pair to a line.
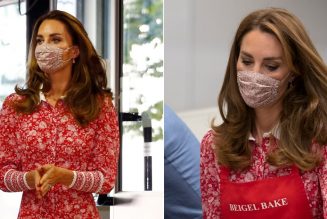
87,181
15,181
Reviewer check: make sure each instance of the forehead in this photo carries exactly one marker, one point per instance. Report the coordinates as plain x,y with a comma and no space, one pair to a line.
261,44
49,27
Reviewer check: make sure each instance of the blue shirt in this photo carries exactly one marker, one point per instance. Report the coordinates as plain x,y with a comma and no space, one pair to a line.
182,170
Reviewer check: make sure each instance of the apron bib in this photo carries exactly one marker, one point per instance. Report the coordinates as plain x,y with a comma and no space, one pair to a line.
281,197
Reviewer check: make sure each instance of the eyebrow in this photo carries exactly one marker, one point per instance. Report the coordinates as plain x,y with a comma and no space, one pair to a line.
272,58
51,35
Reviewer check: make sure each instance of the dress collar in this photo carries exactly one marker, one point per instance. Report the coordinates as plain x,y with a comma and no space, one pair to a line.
275,131
42,96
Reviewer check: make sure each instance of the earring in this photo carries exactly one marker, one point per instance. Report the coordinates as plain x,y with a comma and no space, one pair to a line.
73,60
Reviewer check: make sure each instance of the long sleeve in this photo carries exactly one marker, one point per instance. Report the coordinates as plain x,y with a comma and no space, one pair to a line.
11,176
209,179
103,169
323,181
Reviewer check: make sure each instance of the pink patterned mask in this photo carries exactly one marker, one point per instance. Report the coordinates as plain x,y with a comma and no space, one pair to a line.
50,58
257,89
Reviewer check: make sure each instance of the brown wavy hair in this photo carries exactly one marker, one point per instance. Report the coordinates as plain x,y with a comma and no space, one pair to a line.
88,84
303,119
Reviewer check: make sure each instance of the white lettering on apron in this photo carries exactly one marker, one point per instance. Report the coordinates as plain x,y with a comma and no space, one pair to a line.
259,206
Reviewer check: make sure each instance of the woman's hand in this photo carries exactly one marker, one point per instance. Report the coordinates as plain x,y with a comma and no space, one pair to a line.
52,175
33,178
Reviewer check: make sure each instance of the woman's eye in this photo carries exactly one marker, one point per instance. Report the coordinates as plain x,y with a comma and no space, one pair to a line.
272,67
39,41
246,62
56,40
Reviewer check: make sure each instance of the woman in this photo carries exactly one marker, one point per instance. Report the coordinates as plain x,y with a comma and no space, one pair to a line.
59,136
268,159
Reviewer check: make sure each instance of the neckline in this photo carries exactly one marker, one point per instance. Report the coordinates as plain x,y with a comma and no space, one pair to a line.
275,131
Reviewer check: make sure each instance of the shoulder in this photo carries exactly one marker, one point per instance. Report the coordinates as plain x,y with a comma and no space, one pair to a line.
179,139
320,148
106,104
210,140
8,113
324,151
8,104
177,132
107,100
107,109
11,99
207,138
207,143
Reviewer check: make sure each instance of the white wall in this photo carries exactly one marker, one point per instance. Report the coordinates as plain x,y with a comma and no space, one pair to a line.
198,36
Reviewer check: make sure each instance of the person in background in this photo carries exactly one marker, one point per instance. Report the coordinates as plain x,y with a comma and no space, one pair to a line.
59,137
268,159
182,169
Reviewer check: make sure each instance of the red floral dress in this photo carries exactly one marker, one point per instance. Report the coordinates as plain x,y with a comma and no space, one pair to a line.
315,181
50,135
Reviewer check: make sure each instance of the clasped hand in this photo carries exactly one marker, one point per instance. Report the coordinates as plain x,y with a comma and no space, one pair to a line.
45,177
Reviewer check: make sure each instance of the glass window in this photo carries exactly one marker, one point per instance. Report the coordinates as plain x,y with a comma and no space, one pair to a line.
142,89
12,72
69,6
12,49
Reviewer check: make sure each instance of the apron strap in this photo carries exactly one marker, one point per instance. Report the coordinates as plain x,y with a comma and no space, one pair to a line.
224,173
295,170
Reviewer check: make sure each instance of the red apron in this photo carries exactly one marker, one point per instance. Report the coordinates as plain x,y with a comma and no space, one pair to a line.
280,197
